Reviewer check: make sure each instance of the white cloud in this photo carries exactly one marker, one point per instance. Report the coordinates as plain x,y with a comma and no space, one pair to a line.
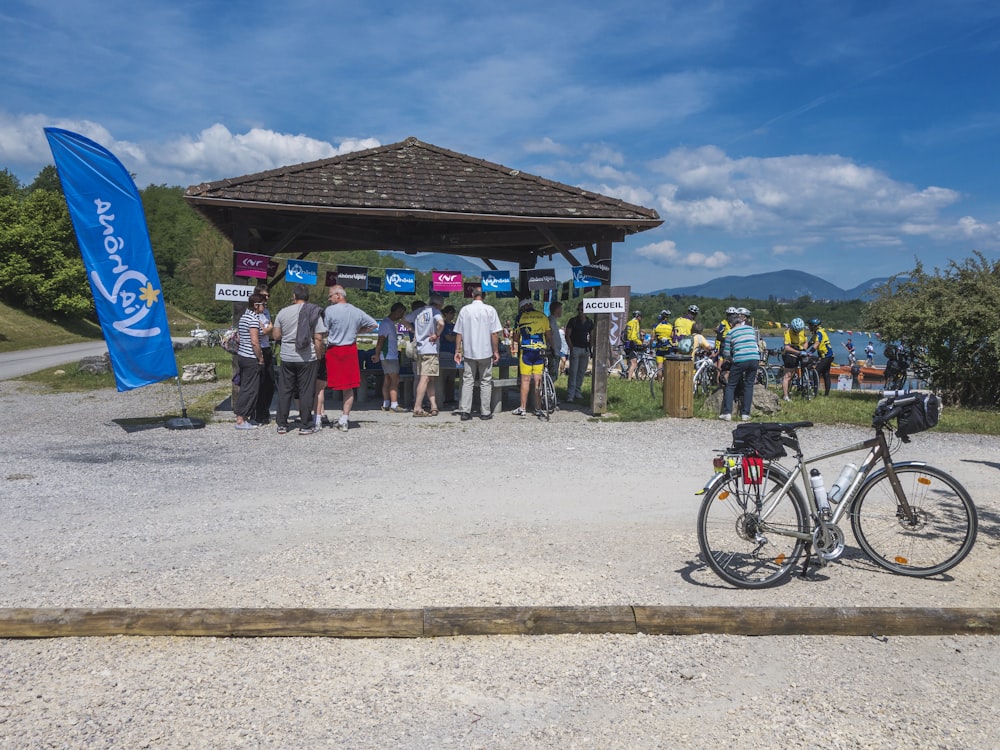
707,189
665,253
214,153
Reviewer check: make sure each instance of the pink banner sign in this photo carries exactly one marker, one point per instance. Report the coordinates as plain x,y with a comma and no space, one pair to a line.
248,264
446,281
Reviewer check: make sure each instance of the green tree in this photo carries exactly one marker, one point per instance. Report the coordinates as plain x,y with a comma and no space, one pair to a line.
950,321
40,266
10,186
47,179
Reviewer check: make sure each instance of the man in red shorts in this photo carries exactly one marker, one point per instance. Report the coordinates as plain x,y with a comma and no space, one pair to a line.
343,324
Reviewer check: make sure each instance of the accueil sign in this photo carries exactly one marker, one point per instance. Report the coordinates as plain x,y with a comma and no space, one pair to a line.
604,305
233,292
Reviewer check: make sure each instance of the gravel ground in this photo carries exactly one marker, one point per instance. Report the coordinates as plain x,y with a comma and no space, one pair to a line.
411,513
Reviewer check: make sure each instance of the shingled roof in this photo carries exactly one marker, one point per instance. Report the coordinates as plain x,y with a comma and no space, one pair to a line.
413,196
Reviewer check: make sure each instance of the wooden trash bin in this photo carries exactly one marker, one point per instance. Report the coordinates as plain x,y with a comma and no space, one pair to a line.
678,386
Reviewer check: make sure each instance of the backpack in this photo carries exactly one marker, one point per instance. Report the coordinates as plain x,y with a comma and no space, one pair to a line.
685,344
231,341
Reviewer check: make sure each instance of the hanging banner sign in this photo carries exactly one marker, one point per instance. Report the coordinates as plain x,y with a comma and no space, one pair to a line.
233,292
106,211
355,277
599,270
249,264
582,280
400,281
496,281
540,278
446,281
301,272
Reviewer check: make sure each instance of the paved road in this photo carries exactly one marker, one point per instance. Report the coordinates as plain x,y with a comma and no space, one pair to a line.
16,364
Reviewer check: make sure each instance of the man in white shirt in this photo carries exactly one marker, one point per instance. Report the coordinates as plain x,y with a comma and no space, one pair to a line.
428,323
477,349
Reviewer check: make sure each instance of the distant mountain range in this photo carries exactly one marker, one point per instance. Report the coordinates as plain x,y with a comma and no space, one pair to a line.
787,284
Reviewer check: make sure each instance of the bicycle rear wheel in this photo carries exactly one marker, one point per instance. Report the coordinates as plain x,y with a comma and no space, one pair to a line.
548,394
941,533
656,385
744,529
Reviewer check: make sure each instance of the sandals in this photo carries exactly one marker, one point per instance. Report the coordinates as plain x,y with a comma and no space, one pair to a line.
420,413
434,412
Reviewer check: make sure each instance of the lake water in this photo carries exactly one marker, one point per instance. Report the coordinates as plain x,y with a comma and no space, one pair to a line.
837,340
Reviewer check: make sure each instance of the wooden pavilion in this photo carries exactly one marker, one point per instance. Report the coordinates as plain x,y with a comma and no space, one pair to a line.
416,197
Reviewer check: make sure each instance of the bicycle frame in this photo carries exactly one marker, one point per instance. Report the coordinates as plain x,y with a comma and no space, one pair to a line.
878,451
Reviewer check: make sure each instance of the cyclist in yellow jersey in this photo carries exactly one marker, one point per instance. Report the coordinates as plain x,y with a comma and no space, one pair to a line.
535,336
663,339
633,342
820,342
682,326
795,342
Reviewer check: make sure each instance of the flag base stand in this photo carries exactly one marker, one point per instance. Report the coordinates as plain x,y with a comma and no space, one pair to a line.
184,422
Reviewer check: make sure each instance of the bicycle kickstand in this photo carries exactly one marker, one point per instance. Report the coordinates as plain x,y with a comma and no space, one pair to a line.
805,563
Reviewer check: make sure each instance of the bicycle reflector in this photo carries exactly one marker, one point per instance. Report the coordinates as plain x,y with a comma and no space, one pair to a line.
753,470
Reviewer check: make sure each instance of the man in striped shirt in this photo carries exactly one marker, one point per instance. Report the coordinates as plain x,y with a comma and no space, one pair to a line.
742,348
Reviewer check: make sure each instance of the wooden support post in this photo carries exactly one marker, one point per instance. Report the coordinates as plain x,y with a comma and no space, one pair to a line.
602,344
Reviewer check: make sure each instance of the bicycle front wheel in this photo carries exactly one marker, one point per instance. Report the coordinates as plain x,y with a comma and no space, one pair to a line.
656,385
745,531
936,538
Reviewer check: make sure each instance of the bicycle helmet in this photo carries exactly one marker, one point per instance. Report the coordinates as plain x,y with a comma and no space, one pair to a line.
694,310
664,314
797,324
637,313
731,311
813,322
743,311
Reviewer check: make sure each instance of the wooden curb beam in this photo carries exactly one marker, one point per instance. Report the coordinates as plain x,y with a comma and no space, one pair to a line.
436,622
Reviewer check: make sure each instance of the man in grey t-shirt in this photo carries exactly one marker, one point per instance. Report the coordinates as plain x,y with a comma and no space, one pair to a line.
299,357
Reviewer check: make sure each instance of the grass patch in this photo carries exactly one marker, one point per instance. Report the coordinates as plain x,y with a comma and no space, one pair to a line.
629,401
20,330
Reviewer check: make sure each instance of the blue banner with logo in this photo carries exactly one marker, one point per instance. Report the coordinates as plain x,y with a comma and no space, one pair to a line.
582,280
496,281
110,227
400,281
301,272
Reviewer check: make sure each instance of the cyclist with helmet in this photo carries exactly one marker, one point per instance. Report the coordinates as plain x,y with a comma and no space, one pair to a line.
682,326
663,339
742,348
795,342
720,338
819,342
633,342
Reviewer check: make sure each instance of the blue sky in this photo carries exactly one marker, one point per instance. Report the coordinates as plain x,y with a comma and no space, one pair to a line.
846,139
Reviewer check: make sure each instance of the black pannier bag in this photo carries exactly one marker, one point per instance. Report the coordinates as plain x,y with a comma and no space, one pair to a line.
762,439
919,416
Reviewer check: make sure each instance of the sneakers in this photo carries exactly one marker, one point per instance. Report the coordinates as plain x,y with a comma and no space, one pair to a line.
744,417
395,409
246,426
726,417
309,430
466,416
519,412
539,413
484,417
786,399
282,429
343,425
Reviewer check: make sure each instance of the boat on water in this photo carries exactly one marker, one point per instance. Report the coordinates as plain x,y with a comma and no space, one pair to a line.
867,373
